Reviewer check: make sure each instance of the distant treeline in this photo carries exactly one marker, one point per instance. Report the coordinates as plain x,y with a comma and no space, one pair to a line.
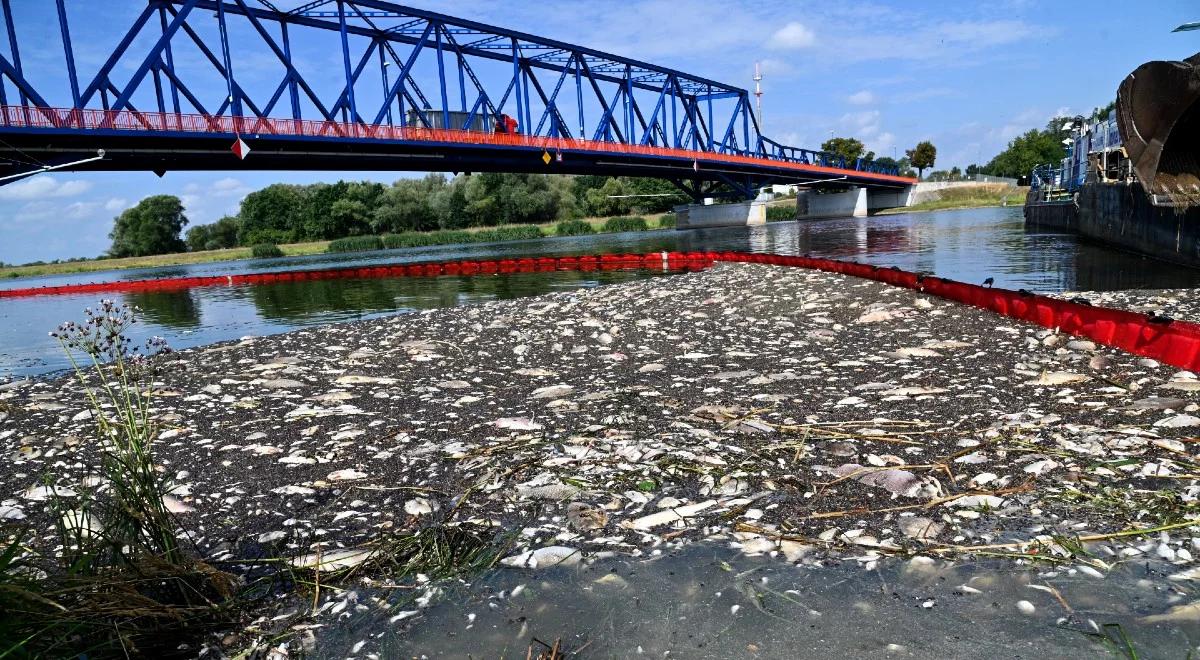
285,213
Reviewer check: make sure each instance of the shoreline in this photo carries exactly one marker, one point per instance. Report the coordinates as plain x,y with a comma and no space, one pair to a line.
96,265
785,411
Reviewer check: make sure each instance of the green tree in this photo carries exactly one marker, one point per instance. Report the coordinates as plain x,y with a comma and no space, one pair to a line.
849,148
1102,113
224,233
450,205
197,237
150,227
216,236
318,222
351,216
608,199
656,195
407,205
972,170
272,215
921,156
1027,151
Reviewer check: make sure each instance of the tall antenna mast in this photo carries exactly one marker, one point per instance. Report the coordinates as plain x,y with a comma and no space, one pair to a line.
758,91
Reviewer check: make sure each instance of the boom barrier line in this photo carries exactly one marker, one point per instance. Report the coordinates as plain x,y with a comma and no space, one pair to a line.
1176,343
66,119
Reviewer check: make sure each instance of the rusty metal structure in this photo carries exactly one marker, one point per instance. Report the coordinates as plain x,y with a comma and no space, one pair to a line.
1158,112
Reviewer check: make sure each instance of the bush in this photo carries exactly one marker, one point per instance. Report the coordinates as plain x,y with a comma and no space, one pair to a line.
265,251
626,223
666,221
517,233
781,213
355,244
573,228
410,239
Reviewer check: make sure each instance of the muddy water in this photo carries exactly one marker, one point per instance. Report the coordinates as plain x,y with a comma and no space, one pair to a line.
711,602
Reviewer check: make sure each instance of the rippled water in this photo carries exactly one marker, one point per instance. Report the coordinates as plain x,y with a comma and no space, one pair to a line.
708,601
968,245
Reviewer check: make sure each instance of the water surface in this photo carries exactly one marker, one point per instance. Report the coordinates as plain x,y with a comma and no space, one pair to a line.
969,245
708,601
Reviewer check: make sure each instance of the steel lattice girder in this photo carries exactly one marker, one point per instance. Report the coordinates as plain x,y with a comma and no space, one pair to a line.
687,111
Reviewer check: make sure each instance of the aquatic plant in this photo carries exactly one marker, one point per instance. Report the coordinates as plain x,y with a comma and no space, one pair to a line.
355,244
666,221
265,251
122,583
625,223
573,228
781,213
116,376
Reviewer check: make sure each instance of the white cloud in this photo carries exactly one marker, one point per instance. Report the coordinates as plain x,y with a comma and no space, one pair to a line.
227,184
864,97
861,125
115,204
42,187
792,36
776,68
882,144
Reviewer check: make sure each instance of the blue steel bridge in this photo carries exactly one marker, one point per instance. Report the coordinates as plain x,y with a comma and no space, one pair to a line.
372,85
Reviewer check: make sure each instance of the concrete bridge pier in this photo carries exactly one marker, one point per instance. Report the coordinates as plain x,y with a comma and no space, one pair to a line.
856,202
737,214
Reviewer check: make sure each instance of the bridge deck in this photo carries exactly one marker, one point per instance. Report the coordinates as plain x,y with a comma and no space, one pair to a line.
168,141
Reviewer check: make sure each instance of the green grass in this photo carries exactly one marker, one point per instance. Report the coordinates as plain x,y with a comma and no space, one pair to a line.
411,239
177,259
121,583
781,212
573,228
625,223
355,244
967,197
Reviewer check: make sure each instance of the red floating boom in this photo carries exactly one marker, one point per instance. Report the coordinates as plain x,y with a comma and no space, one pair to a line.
1176,343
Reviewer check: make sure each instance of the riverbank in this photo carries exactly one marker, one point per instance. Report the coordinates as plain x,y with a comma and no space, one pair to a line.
967,197
235,254
798,414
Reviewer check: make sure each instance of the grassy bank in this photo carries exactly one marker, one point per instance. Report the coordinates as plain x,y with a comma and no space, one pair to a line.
498,234
968,197
177,259
410,239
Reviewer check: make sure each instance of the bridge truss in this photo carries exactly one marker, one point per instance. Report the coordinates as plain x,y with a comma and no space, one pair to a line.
369,84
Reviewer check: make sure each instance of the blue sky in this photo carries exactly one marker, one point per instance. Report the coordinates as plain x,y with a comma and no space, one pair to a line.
967,76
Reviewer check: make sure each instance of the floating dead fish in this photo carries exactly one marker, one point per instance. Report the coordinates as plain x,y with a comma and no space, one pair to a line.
334,560
666,516
547,557
1058,378
552,392
348,474
353,379
517,424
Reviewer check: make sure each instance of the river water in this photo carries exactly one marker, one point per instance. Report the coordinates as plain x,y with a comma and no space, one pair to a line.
969,245
707,601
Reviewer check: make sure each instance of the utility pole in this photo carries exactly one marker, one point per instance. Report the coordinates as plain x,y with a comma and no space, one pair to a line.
758,92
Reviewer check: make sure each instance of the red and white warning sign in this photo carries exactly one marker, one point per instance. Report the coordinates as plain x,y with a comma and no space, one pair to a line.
240,148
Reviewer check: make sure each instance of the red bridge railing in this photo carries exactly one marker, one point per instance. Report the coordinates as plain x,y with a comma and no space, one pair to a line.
29,117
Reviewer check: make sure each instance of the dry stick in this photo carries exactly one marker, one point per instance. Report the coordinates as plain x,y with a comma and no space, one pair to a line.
754,412
317,577
1025,487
